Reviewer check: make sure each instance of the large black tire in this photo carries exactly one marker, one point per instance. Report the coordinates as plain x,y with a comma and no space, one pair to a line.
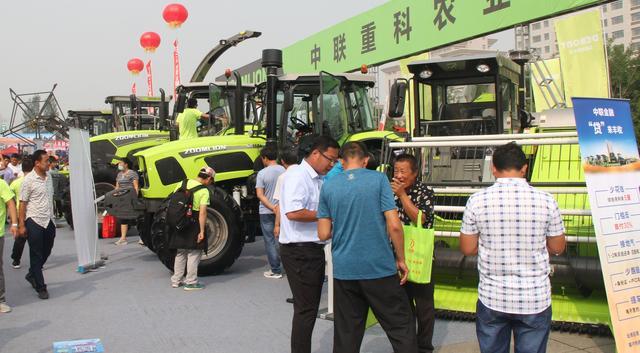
224,235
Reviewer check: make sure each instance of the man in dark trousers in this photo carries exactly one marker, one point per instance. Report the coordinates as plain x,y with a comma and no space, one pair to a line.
36,219
301,250
357,210
16,186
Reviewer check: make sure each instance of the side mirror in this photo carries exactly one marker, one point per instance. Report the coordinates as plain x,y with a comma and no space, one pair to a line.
287,105
397,97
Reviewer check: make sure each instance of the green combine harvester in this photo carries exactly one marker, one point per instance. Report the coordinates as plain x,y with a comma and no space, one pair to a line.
293,109
461,107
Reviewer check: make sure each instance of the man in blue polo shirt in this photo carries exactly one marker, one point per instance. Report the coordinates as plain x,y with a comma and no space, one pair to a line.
356,209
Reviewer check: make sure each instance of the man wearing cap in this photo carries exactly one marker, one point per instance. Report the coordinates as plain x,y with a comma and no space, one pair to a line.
187,120
190,255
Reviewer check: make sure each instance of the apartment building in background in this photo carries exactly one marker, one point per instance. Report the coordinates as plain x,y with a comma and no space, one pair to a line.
620,21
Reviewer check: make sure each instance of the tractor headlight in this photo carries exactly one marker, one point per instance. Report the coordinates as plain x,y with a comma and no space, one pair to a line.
484,68
425,74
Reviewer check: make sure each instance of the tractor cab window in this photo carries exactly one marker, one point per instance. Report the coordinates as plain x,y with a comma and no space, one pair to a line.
360,118
299,122
466,109
130,122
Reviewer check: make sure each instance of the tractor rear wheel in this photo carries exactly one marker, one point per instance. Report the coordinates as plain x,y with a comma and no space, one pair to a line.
224,235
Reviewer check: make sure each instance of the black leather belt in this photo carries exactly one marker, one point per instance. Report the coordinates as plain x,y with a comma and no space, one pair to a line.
309,244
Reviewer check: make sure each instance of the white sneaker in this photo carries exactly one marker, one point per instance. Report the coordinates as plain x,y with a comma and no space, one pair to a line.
4,308
271,274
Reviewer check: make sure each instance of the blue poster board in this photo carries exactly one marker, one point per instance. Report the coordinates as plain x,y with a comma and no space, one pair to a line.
611,163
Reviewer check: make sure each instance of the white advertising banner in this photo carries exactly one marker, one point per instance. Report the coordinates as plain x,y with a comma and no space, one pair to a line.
83,206
611,164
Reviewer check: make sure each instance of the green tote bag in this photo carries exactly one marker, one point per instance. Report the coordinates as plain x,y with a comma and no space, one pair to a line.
418,251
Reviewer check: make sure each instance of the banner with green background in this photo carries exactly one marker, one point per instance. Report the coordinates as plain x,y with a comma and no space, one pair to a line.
402,28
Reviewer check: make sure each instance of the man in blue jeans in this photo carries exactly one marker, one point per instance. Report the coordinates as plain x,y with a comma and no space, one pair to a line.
265,187
513,228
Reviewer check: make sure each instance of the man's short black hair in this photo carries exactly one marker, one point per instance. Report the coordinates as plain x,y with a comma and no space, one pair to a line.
509,157
37,155
16,156
409,158
27,165
192,103
354,149
269,152
322,144
289,155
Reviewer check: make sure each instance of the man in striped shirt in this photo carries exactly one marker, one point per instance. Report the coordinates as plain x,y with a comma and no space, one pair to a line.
513,228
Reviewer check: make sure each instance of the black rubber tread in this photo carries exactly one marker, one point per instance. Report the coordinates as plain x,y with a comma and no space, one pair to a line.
223,203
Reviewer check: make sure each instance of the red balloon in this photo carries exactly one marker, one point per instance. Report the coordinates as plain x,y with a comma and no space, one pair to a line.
150,41
175,15
135,65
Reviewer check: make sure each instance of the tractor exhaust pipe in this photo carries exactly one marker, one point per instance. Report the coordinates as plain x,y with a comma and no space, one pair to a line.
238,115
271,61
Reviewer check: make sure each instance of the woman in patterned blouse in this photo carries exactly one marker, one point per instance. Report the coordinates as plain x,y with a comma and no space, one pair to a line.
411,197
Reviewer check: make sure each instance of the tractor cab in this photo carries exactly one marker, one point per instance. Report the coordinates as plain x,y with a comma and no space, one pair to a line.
133,113
97,122
324,104
218,100
469,95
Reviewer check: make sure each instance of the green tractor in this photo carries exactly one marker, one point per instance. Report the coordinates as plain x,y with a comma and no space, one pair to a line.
294,109
133,124
462,106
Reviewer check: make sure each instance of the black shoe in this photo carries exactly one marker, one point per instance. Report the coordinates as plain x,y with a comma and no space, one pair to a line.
16,264
290,300
43,294
30,280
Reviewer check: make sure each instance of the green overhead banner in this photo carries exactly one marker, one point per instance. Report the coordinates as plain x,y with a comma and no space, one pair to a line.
401,28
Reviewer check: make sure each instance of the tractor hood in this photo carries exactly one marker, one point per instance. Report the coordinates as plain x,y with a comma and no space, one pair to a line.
164,166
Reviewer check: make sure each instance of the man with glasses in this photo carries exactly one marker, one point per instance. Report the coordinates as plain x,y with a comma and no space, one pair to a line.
301,250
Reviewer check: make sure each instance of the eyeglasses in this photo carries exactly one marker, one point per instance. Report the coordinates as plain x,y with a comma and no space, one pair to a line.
331,161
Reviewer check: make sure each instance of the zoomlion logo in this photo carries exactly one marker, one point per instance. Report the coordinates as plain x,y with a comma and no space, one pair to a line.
129,137
206,149
580,44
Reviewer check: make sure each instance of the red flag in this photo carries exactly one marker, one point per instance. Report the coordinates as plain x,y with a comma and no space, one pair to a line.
133,89
149,80
176,67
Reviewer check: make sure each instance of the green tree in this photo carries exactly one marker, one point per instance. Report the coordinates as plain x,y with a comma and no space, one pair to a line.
625,78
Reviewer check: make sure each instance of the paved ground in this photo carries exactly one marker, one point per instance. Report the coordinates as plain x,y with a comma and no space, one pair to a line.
131,307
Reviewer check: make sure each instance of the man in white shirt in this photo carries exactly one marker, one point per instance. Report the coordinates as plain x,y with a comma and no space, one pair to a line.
301,250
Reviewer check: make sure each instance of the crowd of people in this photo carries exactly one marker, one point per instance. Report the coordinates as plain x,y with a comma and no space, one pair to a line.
332,197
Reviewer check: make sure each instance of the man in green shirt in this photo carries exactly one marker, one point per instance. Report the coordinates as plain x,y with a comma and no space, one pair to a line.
7,203
16,185
188,119
189,254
